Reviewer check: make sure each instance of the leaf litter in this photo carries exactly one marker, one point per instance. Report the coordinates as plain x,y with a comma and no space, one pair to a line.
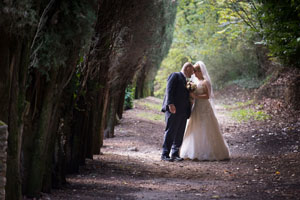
264,162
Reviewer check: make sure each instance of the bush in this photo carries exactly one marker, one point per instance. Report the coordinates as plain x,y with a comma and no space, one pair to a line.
281,30
129,96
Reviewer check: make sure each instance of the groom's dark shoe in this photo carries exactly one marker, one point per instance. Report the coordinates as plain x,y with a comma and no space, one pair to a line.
166,158
177,158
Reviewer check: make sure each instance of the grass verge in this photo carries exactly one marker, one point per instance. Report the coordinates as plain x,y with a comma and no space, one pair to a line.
246,114
151,116
151,106
245,111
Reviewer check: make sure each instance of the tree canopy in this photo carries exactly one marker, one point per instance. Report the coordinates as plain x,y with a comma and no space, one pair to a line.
234,38
281,30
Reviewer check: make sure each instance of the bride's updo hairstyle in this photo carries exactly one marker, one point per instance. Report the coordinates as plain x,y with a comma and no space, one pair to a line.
197,67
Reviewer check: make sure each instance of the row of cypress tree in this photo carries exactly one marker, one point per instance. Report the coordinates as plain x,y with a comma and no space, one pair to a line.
65,68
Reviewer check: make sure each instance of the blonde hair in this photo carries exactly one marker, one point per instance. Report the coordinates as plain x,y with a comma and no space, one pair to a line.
197,67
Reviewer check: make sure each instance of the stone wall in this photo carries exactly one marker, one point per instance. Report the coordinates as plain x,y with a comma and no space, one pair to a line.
3,154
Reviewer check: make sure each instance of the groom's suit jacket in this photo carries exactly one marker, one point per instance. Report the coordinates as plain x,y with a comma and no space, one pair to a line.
177,94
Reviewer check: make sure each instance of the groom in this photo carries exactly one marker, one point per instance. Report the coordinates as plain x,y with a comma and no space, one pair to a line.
177,109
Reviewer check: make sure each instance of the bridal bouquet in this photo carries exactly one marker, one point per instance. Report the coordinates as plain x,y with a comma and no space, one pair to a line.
191,86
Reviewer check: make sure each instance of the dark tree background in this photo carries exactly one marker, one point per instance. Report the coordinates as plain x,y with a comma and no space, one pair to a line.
65,68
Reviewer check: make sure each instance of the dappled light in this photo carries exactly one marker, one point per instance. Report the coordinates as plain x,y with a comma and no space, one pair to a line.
261,165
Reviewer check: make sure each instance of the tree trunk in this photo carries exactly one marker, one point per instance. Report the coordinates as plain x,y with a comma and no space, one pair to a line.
95,80
139,88
76,140
15,52
109,131
51,155
42,135
45,91
103,121
120,107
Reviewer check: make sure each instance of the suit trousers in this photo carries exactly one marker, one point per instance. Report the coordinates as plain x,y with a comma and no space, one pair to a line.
175,127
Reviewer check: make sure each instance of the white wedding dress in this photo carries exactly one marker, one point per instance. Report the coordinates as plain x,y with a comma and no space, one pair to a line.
202,138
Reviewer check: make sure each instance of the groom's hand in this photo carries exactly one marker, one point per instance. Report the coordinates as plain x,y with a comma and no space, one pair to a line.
172,108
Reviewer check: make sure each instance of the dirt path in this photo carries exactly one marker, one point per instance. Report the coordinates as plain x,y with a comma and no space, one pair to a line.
264,163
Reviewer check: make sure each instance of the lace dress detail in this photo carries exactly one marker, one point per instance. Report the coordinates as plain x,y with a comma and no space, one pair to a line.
202,138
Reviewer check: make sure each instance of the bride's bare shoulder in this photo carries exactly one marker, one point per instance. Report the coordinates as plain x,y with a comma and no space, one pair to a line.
202,82
206,82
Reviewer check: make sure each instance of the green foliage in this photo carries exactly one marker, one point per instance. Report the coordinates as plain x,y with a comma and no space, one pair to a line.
246,114
245,111
18,17
2,123
213,32
153,117
242,104
247,82
239,104
169,65
281,30
129,96
151,106
70,27
162,39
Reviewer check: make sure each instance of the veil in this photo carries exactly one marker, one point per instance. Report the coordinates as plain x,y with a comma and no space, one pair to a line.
206,77
208,80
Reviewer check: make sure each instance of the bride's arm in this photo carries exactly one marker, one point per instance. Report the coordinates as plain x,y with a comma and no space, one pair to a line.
201,96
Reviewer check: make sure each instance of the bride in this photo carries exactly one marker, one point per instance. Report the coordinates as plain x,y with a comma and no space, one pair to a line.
202,138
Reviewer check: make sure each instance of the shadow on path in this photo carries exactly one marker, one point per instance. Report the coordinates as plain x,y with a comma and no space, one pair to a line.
263,165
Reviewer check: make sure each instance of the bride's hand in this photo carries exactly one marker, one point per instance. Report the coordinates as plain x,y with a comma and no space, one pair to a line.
192,98
193,95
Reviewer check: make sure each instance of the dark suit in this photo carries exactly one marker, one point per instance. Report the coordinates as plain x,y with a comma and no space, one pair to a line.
177,94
